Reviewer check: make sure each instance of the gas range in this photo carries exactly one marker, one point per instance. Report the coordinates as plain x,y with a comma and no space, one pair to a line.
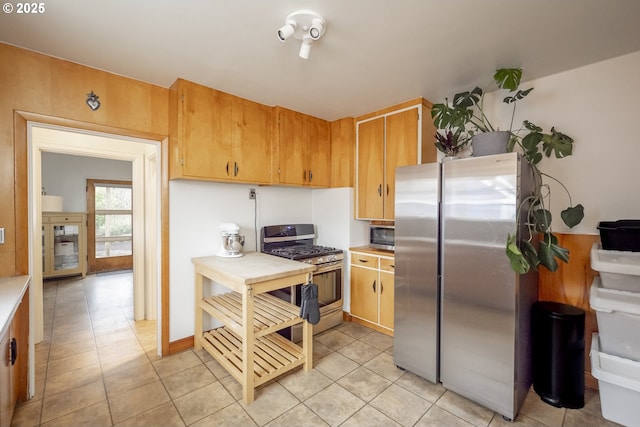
295,242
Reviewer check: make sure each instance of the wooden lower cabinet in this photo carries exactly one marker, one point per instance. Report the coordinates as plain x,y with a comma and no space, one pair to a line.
372,291
386,299
364,296
13,362
7,400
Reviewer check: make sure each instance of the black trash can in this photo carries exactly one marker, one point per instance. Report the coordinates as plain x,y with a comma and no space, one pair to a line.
558,353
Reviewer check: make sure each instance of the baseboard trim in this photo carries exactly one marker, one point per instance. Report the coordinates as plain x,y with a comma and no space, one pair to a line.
181,345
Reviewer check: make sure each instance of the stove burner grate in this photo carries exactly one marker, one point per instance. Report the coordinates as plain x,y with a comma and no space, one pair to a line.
302,251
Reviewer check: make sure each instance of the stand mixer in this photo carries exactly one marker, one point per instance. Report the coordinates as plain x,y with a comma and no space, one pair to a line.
232,241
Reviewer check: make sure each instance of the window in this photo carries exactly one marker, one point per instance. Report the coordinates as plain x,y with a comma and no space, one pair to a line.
109,225
113,220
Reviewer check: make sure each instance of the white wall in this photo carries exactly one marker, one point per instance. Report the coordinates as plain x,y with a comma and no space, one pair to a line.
197,209
333,213
66,175
596,105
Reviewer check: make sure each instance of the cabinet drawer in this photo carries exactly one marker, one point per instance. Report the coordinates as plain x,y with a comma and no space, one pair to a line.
364,260
387,264
64,218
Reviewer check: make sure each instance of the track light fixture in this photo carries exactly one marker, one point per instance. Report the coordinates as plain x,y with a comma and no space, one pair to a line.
317,29
303,25
287,30
305,47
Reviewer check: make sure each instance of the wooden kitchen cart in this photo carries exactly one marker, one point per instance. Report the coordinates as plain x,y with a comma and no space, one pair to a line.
248,345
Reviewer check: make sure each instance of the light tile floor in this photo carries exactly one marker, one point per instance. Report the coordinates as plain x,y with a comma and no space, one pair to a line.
97,367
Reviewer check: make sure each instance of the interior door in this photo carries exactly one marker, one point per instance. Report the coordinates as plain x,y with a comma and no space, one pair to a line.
109,225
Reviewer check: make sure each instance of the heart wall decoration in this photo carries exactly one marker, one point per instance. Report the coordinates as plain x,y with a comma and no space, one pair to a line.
92,101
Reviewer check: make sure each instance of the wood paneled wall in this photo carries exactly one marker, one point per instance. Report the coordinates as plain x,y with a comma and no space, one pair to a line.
49,90
42,85
570,285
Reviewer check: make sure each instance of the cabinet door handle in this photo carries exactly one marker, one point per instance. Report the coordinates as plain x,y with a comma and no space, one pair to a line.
227,168
392,265
13,351
363,260
381,287
235,168
387,189
374,286
310,175
304,176
380,190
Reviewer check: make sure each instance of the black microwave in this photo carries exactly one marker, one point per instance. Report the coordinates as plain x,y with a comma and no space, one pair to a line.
382,237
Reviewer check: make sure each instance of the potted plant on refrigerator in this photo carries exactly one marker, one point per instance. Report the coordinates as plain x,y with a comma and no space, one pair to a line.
451,142
466,116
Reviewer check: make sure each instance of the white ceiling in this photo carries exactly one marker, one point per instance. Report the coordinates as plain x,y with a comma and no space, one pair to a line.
375,53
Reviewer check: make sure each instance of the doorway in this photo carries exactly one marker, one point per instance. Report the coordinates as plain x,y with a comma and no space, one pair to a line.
143,155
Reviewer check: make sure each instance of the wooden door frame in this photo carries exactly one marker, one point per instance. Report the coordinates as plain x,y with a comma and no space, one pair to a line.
113,263
21,155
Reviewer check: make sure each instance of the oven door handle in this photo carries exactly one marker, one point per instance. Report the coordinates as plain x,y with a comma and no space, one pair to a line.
329,266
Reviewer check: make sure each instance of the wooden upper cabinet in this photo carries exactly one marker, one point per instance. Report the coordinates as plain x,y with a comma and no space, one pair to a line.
319,152
401,135
217,136
253,140
205,132
370,168
397,136
291,158
343,142
303,150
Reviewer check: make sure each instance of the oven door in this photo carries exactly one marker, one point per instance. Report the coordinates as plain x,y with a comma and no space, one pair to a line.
328,278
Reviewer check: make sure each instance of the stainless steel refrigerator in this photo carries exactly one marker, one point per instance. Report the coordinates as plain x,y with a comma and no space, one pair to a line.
462,316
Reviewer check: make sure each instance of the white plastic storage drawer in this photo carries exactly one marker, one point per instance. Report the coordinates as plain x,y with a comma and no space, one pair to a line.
618,314
619,269
619,384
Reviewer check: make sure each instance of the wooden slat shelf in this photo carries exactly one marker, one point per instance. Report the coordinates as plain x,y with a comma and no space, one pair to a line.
273,355
270,313
251,350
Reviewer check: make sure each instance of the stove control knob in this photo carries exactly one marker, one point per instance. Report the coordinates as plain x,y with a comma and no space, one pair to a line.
306,261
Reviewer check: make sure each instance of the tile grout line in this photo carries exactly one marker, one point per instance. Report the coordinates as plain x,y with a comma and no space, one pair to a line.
95,342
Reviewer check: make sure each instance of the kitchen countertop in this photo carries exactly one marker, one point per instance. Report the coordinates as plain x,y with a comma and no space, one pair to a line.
252,267
12,290
368,250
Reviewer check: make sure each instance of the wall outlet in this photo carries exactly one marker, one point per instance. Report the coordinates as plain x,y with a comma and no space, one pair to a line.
2,236
252,194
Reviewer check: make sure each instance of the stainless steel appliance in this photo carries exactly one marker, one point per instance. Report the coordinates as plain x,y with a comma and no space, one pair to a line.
416,293
296,242
462,314
382,236
232,241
